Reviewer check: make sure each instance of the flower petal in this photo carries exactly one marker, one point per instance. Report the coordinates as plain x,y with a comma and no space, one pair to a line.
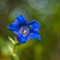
36,31
32,22
29,37
16,33
35,25
35,36
21,39
22,20
13,27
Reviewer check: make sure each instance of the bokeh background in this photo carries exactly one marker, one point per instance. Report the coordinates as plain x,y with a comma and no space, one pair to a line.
47,13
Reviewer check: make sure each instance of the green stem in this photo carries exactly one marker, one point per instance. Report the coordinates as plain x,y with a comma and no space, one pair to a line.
15,47
12,57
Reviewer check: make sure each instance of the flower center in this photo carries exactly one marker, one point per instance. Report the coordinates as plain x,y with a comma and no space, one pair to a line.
24,31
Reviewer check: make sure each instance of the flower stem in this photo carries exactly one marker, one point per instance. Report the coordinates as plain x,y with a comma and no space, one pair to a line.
15,47
14,56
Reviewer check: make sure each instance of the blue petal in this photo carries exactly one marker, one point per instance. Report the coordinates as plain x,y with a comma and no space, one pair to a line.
29,37
32,22
17,33
21,19
21,39
35,36
35,25
13,27
36,31
17,23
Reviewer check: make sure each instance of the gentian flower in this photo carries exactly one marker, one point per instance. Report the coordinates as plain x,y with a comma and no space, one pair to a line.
23,30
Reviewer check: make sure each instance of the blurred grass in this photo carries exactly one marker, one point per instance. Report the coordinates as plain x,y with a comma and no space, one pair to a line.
47,13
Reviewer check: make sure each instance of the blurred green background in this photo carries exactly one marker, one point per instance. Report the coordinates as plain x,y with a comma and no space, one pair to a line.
47,13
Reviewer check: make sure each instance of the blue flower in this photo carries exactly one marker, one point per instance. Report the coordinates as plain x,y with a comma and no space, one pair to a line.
23,30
